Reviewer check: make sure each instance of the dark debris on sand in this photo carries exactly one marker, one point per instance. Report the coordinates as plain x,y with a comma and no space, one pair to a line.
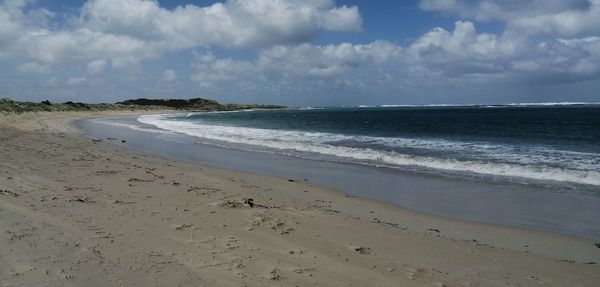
9,193
362,250
81,199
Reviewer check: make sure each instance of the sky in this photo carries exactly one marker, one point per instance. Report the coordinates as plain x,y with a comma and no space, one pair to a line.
302,52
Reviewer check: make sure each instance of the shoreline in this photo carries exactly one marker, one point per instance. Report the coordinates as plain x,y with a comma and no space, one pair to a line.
544,207
187,224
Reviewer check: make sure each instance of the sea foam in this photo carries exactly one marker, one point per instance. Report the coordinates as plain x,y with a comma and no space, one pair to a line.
482,158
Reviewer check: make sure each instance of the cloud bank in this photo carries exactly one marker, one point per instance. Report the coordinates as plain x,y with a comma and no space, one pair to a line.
437,57
103,46
129,31
550,17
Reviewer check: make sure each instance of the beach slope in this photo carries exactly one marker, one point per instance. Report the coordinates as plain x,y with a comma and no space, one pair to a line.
75,211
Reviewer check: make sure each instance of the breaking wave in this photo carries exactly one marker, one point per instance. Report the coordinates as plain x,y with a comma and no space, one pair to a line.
483,158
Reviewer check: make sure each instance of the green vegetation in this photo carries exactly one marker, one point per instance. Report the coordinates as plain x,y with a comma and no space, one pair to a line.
11,106
197,104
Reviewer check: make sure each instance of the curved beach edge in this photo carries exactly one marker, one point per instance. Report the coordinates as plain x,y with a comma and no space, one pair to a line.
90,211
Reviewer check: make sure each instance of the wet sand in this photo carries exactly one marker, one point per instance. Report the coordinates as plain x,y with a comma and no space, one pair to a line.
549,206
79,212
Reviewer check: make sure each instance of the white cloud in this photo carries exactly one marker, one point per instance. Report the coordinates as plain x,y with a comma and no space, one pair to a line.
464,52
325,61
295,63
564,60
342,19
438,56
550,17
34,67
502,9
286,72
564,23
96,66
169,75
9,28
15,20
548,41
463,42
81,45
75,81
128,31
234,23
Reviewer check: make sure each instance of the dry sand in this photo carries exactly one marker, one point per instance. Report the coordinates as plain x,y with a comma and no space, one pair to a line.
75,212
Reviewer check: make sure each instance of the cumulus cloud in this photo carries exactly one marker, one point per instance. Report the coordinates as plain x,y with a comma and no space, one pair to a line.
15,20
549,41
545,41
464,52
128,31
296,63
233,24
502,9
297,73
33,67
437,56
563,60
564,23
82,45
552,17
9,25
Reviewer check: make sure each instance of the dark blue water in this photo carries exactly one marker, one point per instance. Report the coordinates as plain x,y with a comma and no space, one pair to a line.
577,128
552,143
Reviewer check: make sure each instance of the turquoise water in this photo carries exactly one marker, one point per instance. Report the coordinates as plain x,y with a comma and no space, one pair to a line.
538,143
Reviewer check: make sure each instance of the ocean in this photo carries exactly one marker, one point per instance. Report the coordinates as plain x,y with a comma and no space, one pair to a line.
528,165
527,144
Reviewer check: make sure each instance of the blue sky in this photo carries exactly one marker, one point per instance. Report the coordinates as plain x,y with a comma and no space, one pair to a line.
302,53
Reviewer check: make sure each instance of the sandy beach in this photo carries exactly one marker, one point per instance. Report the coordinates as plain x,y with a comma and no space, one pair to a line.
77,212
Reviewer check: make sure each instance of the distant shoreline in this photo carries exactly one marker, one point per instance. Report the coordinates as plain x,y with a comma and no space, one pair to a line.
188,105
